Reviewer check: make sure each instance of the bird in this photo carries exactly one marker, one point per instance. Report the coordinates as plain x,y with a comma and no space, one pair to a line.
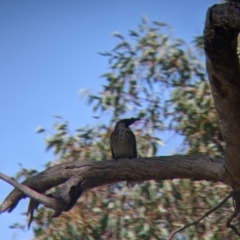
123,142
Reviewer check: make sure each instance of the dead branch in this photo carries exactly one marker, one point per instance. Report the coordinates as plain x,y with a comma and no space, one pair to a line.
46,201
203,216
236,204
78,176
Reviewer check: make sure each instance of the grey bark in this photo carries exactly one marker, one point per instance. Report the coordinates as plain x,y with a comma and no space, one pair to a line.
78,176
220,40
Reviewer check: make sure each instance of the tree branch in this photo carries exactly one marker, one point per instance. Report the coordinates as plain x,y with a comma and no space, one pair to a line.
48,202
78,176
202,217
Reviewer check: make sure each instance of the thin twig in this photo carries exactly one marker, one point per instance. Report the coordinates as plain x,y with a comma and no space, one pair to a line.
235,213
229,225
205,215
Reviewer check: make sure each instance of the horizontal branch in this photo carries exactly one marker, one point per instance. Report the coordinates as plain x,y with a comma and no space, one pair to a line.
78,176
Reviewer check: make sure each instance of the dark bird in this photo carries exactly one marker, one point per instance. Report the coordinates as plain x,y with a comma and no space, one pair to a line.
123,142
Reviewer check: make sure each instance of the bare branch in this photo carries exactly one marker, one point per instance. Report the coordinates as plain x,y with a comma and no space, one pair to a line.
229,225
78,176
201,218
46,201
236,203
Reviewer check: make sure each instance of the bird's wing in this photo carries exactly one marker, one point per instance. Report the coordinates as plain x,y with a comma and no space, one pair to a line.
135,150
111,144
112,153
132,141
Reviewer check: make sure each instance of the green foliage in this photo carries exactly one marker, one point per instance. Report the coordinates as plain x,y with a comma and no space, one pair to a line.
161,80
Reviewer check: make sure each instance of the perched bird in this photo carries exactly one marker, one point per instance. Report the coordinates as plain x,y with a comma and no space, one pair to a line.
123,142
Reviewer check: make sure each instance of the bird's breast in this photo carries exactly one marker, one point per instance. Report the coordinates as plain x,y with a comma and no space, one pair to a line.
123,144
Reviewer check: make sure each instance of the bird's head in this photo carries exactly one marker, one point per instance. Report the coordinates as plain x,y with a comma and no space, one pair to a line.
126,122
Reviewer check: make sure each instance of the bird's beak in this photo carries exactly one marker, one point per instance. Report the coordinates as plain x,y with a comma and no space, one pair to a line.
135,120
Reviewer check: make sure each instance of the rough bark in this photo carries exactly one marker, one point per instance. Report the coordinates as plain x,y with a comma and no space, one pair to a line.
78,176
220,38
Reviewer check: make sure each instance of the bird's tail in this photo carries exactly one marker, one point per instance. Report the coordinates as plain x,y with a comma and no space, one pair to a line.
131,184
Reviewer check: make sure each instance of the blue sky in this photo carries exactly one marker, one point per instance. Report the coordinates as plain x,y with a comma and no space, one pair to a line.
48,51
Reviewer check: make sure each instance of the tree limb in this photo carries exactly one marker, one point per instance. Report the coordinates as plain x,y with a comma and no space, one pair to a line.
78,176
220,39
48,202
